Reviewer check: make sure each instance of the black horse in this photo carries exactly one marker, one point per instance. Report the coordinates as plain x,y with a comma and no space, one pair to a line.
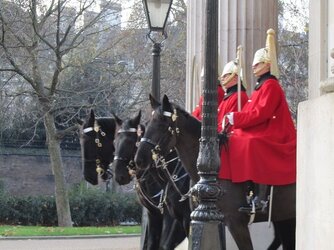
98,147
171,126
97,140
159,190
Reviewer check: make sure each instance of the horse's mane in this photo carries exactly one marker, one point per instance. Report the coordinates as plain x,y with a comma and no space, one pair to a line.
108,125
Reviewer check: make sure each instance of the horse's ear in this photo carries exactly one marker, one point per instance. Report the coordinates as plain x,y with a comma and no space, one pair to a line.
136,120
92,114
117,119
154,103
91,118
166,106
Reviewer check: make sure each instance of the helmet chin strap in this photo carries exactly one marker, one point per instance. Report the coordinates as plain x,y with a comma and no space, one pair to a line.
261,68
229,79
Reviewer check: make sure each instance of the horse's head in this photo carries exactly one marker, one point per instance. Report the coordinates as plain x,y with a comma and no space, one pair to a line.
98,148
126,141
160,134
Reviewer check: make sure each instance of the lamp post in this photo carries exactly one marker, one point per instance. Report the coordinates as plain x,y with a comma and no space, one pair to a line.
157,12
207,230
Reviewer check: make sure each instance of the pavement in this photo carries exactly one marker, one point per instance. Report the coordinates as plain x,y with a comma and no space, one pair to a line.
120,242
261,236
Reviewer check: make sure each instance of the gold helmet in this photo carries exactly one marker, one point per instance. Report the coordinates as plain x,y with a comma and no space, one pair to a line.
268,54
230,68
234,68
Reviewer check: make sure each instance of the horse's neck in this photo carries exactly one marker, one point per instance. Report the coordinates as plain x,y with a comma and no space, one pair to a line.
187,148
148,179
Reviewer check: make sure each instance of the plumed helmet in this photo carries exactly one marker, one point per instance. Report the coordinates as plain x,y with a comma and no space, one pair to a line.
234,68
268,54
230,68
261,55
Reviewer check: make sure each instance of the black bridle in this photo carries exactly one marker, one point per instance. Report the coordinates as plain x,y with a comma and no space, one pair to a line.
160,160
99,134
130,165
172,130
130,162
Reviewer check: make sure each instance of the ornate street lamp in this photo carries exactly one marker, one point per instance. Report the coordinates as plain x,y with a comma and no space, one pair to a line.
157,12
207,230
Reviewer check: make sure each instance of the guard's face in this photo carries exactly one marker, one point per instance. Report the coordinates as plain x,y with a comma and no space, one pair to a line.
261,68
229,80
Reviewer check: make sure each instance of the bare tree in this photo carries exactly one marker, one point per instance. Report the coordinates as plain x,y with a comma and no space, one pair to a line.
40,45
293,51
173,54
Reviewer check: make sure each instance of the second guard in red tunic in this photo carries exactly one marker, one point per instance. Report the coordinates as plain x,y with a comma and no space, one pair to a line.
197,112
233,101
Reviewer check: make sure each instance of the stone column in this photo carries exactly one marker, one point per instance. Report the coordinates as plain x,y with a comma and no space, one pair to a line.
245,23
242,22
315,140
195,51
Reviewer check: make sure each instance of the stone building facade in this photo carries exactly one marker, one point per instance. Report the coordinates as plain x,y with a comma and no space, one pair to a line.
315,140
242,22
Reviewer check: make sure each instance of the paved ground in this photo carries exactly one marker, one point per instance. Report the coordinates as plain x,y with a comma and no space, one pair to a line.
261,235
98,243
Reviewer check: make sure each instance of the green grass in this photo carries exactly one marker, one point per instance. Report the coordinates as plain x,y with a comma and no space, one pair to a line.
66,231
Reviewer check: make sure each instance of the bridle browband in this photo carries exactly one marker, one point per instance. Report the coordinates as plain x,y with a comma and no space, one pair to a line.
130,162
173,131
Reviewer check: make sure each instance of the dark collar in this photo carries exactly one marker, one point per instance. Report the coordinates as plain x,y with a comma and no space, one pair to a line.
262,79
232,90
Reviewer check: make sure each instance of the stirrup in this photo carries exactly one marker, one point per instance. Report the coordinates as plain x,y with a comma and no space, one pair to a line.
255,207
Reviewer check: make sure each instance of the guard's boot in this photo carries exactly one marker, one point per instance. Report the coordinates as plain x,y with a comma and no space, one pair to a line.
256,204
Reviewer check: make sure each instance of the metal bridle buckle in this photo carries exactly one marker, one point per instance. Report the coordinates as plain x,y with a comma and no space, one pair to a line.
96,126
174,116
99,170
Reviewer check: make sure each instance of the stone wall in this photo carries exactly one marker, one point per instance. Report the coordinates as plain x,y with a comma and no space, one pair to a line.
315,140
24,174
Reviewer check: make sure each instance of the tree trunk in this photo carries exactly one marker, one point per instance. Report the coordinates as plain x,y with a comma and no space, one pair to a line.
61,194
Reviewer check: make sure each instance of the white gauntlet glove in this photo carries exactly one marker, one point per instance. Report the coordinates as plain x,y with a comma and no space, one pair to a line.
230,118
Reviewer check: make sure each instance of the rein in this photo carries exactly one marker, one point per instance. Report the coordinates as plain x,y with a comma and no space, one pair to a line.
162,194
138,185
161,162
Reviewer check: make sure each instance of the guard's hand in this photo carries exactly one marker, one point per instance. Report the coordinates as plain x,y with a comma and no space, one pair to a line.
223,140
230,118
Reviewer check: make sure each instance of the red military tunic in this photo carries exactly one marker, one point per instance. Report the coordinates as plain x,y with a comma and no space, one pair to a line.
262,147
230,103
198,110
